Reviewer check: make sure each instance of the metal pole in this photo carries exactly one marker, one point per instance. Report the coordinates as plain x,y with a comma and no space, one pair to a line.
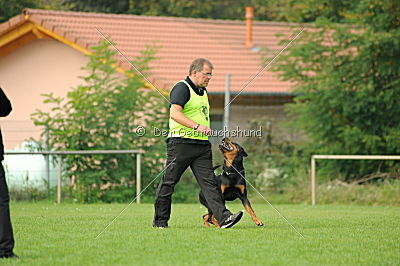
358,157
138,178
59,180
313,185
47,168
47,162
227,100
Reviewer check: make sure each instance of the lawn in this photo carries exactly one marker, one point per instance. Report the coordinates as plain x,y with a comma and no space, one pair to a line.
50,234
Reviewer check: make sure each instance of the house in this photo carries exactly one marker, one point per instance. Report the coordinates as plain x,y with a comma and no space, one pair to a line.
43,51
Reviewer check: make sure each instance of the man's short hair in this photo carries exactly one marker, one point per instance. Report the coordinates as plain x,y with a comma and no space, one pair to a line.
198,65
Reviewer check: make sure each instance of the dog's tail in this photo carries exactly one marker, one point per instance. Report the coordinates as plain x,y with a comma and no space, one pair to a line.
216,167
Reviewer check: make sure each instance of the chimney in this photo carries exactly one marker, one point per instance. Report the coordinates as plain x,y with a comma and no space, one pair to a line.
249,26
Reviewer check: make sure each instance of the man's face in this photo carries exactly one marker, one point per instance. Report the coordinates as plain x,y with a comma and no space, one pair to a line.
204,76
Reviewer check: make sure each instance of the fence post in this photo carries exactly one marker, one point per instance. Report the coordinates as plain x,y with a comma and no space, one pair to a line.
313,182
138,177
47,161
59,179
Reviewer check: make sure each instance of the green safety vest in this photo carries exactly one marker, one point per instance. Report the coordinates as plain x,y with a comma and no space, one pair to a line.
196,109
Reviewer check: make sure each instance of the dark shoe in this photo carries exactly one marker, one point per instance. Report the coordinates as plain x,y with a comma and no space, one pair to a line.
231,220
9,256
160,226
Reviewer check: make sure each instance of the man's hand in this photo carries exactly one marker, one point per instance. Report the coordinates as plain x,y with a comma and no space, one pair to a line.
204,130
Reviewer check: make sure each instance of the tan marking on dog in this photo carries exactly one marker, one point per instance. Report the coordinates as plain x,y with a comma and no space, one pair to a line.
229,156
205,220
223,187
241,187
215,222
253,215
229,159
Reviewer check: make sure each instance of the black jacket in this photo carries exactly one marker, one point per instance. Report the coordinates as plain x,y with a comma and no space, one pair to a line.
5,109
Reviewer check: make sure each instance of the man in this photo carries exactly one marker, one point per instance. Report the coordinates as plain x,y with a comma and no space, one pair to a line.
6,233
188,145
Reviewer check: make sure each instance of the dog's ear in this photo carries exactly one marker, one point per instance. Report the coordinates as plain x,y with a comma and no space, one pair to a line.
243,152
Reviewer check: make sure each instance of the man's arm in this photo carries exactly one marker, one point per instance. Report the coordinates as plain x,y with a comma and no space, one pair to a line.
5,104
175,112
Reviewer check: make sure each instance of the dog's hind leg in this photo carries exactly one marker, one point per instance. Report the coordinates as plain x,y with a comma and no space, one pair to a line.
207,218
214,221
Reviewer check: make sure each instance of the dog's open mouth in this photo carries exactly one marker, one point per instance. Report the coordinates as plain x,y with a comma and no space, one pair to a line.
225,145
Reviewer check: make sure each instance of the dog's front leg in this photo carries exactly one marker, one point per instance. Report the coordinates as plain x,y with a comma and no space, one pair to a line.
247,206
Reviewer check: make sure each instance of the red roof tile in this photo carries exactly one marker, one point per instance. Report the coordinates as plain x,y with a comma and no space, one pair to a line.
181,41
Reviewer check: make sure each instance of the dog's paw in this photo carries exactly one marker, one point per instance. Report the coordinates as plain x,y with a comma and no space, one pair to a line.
214,221
258,223
206,220
206,224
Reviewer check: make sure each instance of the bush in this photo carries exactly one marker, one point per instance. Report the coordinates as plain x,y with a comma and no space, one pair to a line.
27,194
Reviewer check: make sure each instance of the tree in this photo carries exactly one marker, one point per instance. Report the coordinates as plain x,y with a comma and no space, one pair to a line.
282,10
10,8
347,79
307,10
103,114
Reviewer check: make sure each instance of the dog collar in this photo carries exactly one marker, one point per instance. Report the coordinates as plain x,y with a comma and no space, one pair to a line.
232,173
227,173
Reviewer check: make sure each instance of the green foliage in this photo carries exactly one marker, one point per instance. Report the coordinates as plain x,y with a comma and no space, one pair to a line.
216,9
283,10
103,114
347,79
381,193
27,194
286,10
10,8
273,161
309,10
54,5
104,6
276,10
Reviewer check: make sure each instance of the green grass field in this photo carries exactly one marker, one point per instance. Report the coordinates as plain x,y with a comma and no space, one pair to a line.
49,234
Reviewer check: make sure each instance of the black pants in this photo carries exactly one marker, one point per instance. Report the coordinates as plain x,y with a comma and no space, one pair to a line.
179,157
6,233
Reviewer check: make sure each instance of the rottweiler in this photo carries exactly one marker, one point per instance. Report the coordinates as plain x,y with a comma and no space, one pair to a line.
231,182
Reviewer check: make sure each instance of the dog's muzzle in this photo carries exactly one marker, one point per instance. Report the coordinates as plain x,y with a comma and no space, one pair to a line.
225,145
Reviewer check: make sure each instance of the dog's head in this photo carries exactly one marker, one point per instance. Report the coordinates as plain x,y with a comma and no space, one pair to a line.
231,151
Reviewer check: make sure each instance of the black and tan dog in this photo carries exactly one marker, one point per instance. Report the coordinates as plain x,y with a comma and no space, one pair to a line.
231,181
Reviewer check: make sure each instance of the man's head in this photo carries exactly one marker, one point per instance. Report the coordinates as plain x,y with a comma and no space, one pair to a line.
200,72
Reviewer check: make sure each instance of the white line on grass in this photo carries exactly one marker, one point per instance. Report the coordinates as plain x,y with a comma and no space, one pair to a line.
116,217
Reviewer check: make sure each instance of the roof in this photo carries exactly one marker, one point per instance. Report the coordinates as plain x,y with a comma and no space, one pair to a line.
181,41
